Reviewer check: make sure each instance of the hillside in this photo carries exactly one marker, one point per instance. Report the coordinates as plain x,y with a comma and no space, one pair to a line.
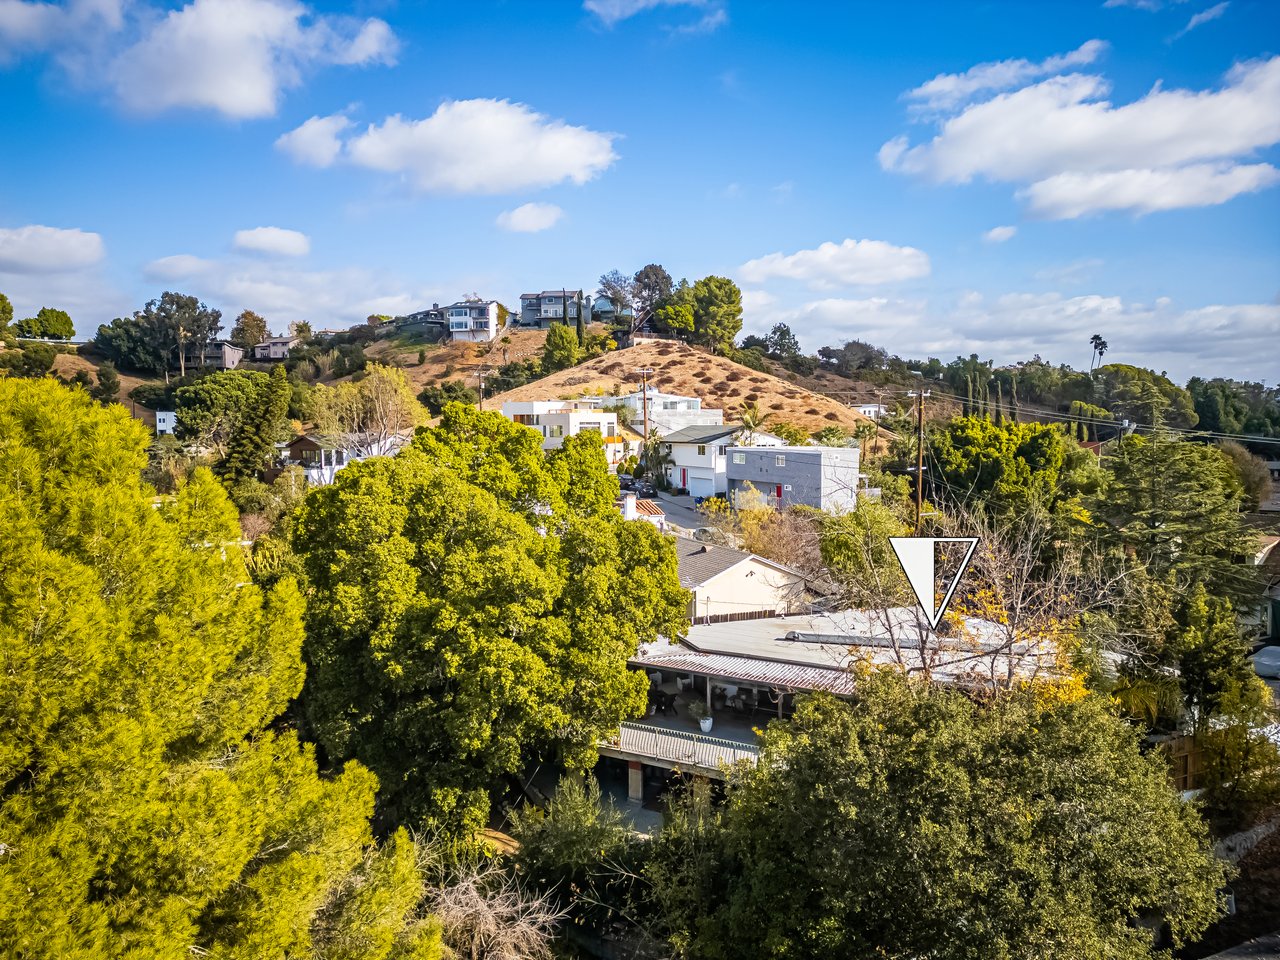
455,361
69,364
680,368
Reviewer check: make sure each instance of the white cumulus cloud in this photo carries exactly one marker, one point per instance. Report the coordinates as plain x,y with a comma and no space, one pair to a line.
1078,153
466,146
999,234
317,142
235,57
948,90
530,217
275,241
853,262
284,294
40,249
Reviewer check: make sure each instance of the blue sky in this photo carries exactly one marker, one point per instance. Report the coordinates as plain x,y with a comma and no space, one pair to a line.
938,178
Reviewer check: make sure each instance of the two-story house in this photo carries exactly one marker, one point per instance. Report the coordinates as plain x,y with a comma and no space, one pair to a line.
699,456
552,306
218,354
821,477
473,320
321,455
557,419
274,348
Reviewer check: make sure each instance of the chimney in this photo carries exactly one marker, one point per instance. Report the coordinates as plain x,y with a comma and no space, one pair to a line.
629,511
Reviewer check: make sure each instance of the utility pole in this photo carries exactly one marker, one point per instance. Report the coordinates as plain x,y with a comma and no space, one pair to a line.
480,374
919,453
645,373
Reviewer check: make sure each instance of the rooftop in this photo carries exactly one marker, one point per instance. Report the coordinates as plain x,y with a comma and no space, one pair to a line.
699,562
702,433
815,651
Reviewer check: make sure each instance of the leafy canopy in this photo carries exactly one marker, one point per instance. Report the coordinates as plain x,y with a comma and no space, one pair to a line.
467,616
918,822
150,805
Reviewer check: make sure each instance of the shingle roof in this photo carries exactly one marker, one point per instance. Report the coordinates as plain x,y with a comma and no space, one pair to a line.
699,562
703,433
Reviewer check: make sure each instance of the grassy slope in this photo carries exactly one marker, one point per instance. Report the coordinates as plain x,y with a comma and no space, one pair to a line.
683,369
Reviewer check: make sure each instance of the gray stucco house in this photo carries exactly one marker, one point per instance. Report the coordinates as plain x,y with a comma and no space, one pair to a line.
821,477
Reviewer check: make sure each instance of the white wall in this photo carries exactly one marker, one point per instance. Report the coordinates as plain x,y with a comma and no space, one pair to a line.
750,586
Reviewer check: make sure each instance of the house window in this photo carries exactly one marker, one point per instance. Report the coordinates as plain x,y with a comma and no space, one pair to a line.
723,451
780,460
739,458
557,430
702,449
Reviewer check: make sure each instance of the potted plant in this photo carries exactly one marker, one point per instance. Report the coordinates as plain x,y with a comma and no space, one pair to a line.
698,710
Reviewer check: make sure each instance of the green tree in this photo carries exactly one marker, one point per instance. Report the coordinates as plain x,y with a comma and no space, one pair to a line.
211,410
717,312
652,287
782,343
151,805
249,330
1010,467
128,343
561,349
108,388
48,324
465,618
6,312
852,358
789,432
33,360
436,397
252,442
1143,395
1173,506
1252,472
832,436
301,329
920,822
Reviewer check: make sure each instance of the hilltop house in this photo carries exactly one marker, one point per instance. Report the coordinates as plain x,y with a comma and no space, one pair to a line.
473,320
821,477
218,354
431,321
274,348
552,306
557,419
321,456
700,456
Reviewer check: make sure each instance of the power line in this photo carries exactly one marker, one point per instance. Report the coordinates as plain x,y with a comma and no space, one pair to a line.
1102,421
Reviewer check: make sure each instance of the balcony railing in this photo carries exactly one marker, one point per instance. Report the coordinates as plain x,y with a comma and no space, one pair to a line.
680,747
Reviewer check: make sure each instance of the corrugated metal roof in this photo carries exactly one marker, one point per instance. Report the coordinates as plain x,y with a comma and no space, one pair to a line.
750,670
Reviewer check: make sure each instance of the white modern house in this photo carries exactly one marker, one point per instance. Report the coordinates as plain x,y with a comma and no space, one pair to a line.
668,412
472,320
557,419
821,477
700,456
873,411
553,306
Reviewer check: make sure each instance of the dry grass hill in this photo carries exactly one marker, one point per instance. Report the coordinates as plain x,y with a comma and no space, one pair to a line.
680,368
456,361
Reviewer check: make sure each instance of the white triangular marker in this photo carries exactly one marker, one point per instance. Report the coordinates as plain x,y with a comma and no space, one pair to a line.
917,556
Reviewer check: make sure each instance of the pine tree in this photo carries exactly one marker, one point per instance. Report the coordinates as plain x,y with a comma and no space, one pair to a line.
151,805
254,439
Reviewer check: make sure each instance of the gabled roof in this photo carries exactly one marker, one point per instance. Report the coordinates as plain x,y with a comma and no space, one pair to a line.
702,433
699,562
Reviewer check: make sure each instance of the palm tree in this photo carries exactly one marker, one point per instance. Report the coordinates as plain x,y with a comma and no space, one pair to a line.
655,458
752,420
868,432
1099,348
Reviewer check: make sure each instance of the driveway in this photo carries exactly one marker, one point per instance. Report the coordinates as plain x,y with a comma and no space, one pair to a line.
680,511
